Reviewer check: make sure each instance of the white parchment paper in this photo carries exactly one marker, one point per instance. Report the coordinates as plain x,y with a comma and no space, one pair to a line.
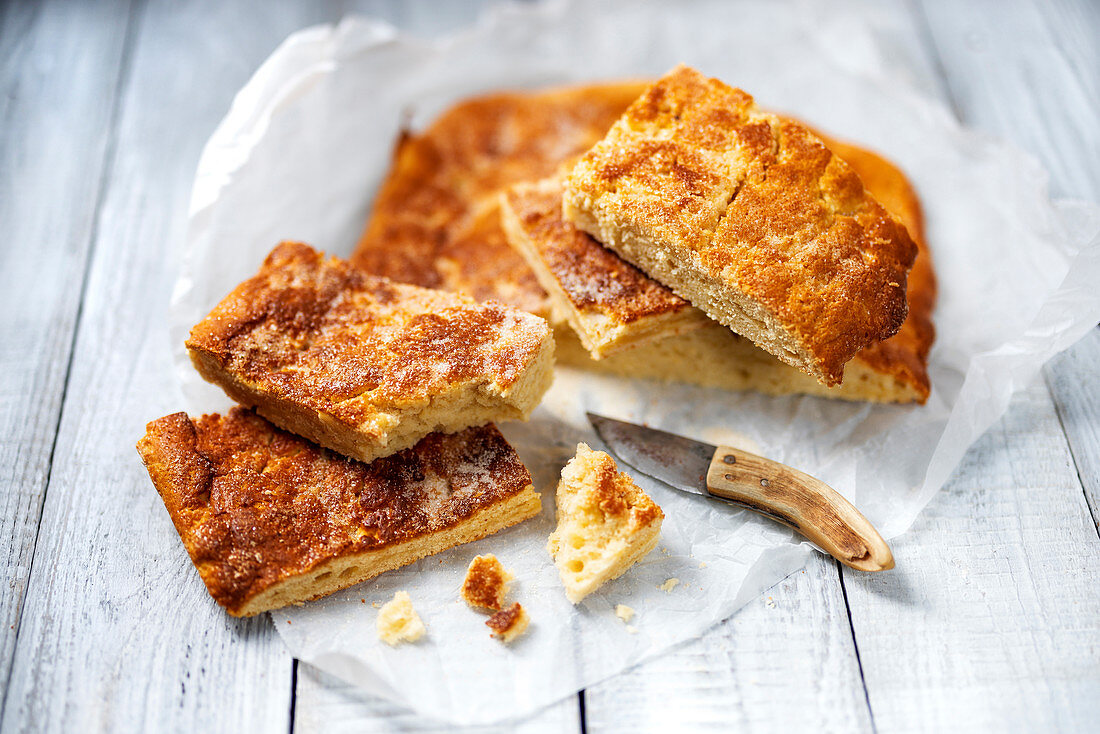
299,157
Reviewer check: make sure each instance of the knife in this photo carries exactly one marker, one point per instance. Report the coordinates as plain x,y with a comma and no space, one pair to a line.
776,490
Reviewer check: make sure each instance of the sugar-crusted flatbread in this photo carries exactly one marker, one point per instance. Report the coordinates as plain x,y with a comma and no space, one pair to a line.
750,217
611,305
270,519
366,366
606,523
894,370
470,140
435,222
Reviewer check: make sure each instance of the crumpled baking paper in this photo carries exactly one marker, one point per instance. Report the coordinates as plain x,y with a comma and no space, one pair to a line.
300,155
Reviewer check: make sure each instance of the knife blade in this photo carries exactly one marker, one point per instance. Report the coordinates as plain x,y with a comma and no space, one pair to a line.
768,487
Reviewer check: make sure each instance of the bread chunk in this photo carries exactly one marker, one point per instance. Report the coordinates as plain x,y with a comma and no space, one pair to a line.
270,519
435,221
422,231
365,366
486,583
891,371
398,622
606,523
510,623
748,216
611,305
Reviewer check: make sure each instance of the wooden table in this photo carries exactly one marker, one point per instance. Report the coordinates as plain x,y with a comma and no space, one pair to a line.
990,623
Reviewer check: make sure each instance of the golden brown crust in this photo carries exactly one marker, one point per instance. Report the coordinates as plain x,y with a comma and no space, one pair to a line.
257,507
486,583
901,359
897,366
508,623
593,278
351,360
434,221
751,217
903,356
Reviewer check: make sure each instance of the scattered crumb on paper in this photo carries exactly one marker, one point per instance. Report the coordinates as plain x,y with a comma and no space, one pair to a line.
632,629
623,612
669,585
398,622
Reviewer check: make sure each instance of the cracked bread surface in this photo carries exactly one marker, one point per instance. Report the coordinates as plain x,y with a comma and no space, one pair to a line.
605,523
750,217
366,366
611,305
435,221
892,371
270,519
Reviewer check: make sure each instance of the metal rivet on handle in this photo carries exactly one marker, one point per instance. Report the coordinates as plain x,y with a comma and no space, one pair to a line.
729,459
763,482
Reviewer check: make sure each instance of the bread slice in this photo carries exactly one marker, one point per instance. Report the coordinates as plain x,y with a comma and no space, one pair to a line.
366,366
483,144
891,371
270,519
611,305
435,219
606,523
750,217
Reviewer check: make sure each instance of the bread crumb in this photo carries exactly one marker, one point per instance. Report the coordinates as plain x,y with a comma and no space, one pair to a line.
486,583
771,603
510,623
398,622
623,612
702,564
669,585
632,629
606,523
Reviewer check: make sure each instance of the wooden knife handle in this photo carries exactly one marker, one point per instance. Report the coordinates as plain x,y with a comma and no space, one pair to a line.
799,501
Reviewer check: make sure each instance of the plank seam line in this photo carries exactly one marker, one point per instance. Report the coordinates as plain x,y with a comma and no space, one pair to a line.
855,646
109,155
584,714
1069,447
293,689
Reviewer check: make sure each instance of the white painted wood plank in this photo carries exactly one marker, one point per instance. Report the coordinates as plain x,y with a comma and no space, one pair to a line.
783,663
1028,71
59,72
991,620
119,633
1074,380
326,704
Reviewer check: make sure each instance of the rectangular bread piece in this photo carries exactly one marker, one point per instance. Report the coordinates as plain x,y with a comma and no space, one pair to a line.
270,519
434,222
611,305
890,371
748,216
366,366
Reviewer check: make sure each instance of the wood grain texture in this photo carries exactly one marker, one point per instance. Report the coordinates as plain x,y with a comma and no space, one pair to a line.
1074,381
327,704
118,632
1027,71
783,663
58,85
990,620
